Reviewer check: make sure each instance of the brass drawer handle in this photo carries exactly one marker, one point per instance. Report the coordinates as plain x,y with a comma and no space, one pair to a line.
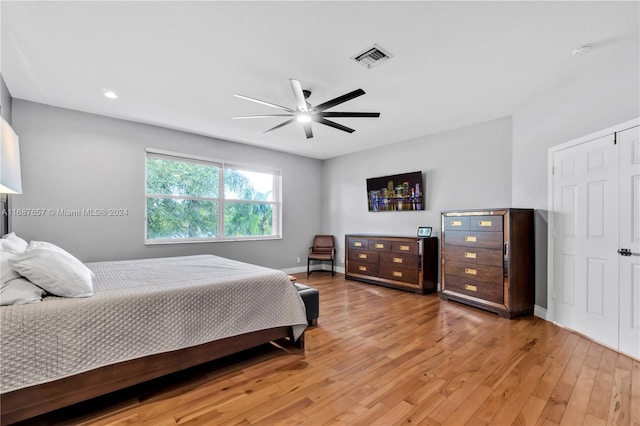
397,260
405,248
362,268
357,244
470,271
362,256
470,287
378,245
397,274
470,255
456,223
485,223
470,239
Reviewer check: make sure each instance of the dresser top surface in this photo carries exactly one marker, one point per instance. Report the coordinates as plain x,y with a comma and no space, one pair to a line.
479,212
387,236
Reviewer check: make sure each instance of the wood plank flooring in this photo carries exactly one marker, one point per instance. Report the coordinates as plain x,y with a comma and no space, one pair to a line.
386,357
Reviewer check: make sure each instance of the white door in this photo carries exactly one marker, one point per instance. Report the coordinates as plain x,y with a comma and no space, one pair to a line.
585,238
629,146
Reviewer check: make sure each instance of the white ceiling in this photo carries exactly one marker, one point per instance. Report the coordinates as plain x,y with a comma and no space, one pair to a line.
178,64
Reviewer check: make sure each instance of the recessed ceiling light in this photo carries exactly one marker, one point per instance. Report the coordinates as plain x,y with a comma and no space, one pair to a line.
109,94
582,50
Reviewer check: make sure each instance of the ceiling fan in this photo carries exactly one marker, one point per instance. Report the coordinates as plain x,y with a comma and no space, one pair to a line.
305,113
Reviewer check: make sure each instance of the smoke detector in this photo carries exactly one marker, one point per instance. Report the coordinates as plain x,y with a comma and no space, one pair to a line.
372,56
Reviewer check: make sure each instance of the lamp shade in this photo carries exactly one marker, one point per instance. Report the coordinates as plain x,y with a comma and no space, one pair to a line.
10,177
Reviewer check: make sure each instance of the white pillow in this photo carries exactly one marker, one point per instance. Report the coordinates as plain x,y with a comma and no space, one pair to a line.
33,245
57,272
7,273
44,245
20,292
12,242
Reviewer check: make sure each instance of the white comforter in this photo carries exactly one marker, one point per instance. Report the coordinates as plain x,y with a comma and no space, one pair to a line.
143,307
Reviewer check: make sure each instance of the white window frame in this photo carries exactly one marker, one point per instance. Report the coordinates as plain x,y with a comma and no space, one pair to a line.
276,203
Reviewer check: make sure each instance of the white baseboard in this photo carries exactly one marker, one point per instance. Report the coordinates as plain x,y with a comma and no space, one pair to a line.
540,312
299,269
295,270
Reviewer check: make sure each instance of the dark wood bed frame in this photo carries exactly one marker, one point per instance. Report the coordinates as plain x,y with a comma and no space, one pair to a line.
32,401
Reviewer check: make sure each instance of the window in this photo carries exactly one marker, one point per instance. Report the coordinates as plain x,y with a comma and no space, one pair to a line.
191,199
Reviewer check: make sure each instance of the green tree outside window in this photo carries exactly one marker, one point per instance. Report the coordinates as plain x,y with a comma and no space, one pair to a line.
184,200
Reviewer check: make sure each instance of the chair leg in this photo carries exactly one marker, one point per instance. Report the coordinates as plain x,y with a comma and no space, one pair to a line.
332,269
308,262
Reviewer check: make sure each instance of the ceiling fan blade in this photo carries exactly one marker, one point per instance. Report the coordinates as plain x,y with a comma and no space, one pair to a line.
334,125
260,116
301,102
281,125
264,103
339,100
307,130
350,114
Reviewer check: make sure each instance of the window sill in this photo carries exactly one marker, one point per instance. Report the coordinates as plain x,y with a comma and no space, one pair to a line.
209,240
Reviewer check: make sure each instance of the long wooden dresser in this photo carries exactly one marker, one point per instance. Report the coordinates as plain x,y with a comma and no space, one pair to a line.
407,263
488,259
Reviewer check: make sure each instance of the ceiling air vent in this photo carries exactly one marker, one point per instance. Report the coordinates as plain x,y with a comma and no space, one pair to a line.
372,56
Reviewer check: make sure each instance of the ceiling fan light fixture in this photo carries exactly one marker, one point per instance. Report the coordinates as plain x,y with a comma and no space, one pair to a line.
305,113
303,118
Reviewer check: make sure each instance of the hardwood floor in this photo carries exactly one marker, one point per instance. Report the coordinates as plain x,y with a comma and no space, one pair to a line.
383,357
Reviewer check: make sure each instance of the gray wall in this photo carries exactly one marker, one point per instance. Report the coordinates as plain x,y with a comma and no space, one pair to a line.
75,160
604,95
466,168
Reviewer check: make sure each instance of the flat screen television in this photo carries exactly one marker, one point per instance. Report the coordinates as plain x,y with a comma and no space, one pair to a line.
401,192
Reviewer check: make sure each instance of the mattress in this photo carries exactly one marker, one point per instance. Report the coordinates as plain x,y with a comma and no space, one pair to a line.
140,308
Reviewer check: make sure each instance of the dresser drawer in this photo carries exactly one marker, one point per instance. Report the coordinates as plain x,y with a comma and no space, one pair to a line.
358,243
398,273
473,255
485,223
364,268
364,256
400,260
380,245
493,292
474,239
483,273
456,223
405,247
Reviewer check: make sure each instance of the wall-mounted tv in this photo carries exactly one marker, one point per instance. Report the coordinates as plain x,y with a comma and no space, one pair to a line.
401,192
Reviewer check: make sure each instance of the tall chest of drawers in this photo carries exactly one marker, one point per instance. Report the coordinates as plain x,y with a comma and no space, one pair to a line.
488,259
407,263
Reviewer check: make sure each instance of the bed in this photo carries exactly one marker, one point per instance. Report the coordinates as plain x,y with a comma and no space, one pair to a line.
146,318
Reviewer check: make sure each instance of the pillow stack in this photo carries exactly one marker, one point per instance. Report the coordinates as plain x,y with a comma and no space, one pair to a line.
14,289
30,270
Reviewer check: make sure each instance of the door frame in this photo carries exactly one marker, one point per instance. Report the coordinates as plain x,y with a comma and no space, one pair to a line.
551,314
